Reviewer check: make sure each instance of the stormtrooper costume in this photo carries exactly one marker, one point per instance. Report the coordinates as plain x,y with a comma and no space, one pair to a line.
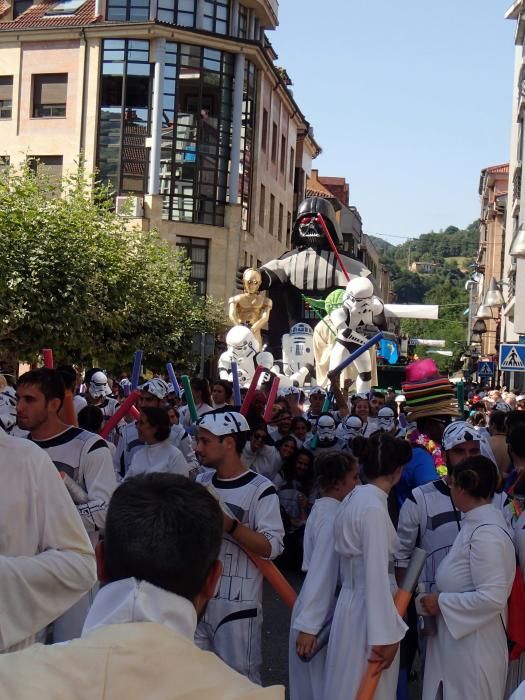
244,350
349,428
354,323
98,387
232,623
325,439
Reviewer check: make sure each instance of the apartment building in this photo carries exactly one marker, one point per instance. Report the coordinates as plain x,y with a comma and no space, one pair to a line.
178,105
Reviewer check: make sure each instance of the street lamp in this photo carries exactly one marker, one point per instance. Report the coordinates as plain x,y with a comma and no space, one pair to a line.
479,327
493,298
517,247
484,312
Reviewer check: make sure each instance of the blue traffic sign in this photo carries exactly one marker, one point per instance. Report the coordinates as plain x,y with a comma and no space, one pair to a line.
512,357
486,369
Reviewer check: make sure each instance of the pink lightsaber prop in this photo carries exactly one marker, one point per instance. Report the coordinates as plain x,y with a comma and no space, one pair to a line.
267,417
123,409
320,220
251,391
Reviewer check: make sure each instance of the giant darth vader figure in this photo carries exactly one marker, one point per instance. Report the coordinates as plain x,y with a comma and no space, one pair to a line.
309,269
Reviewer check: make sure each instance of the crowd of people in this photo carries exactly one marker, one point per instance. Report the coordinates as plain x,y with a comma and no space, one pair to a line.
185,497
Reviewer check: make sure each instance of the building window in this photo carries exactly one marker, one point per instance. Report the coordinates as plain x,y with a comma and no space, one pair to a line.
243,22
272,214
124,119
5,162
283,153
291,166
264,130
47,166
49,95
259,263
6,96
274,142
196,133
216,16
196,250
280,223
127,10
288,230
180,12
21,6
247,142
262,205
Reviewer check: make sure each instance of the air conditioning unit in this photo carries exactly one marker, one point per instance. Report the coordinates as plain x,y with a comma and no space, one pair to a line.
129,207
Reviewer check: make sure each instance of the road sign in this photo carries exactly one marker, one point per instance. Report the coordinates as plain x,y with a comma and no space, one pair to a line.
512,357
486,369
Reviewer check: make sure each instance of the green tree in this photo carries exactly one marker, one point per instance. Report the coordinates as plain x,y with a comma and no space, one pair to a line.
80,280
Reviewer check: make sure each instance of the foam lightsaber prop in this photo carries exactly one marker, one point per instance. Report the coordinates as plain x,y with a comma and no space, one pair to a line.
402,598
251,391
134,412
173,378
189,398
236,385
120,413
67,413
320,220
137,362
48,358
354,355
267,417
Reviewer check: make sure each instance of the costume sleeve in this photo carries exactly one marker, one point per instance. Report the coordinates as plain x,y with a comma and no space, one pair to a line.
407,530
99,481
317,593
268,519
492,567
38,589
384,624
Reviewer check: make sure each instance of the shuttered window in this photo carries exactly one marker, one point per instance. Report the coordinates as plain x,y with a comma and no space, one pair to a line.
49,95
6,96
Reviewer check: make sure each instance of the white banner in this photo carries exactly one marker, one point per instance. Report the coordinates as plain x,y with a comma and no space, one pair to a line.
428,312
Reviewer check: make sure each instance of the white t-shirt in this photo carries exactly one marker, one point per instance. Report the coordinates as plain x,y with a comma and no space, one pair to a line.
159,457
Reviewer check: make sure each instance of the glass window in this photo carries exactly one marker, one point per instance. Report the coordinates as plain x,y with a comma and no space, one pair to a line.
5,161
264,130
48,166
274,142
280,223
247,142
6,96
291,165
283,153
262,205
124,120
196,133
243,22
216,16
180,12
21,6
288,230
196,250
49,95
67,7
272,214
127,10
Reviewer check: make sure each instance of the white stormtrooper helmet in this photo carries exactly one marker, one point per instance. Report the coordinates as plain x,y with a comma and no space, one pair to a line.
357,290
457,433
241,342
7,409
325,429
349,428
98,385
224,423
386,419
156,387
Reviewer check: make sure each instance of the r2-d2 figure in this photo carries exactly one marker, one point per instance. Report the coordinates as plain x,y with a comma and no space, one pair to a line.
354,323
298,353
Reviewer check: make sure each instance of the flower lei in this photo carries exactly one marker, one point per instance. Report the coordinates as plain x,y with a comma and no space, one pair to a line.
417,438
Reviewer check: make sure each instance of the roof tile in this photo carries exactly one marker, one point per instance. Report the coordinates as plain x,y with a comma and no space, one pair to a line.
33,18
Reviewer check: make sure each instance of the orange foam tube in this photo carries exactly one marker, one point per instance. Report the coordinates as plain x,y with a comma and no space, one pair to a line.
275,578
67,412
124,408
371,678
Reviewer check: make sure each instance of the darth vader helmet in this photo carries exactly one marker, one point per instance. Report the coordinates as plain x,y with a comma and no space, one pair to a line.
307,232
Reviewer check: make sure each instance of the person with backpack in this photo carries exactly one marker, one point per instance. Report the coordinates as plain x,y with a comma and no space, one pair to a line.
468,657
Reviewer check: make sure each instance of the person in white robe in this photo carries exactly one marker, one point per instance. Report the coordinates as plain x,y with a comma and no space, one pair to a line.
47,562
337,475
366,625
468,657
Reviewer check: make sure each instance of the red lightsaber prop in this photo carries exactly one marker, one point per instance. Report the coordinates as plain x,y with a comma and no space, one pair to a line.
267,417
48,358
320,220
121,412
251,391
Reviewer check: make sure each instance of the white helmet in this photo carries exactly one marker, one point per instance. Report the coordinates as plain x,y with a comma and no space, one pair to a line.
386,419
325,428
265,359
98,385
156,387
224,423
349,428
358,289
7,409
242,342
457,433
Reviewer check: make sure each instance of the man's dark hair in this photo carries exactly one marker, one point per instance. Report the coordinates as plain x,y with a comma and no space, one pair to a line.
513,418
378,395
159,419
48,381
497,420
90,418
227,386
516,439
240,440
164,529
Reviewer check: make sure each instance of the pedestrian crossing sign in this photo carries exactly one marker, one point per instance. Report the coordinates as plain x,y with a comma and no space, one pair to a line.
512,357
486,369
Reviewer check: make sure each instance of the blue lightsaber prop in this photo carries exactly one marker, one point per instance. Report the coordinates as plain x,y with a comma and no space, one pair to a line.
357,353
173,378
137,362
236,386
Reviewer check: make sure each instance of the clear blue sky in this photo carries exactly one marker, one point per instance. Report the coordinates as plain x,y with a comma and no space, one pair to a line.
409,101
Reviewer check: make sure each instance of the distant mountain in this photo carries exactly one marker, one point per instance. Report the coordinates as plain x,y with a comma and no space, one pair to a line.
380,244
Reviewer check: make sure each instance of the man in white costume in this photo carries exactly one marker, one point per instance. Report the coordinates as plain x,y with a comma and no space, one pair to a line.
47,562
232,624
159,561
